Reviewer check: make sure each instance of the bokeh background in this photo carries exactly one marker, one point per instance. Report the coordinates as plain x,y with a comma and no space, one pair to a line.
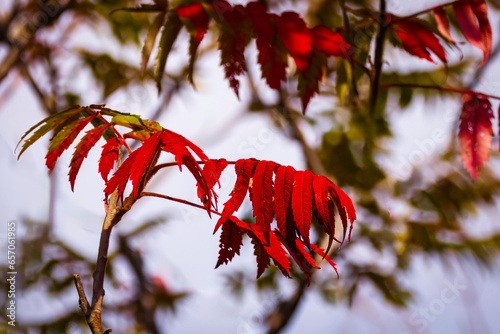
424,251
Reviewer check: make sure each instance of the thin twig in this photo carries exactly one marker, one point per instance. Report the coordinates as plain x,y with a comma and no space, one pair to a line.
378,60
178,200
171,164
445,89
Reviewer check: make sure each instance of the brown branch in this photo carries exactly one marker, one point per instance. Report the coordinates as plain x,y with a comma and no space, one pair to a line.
375,79
113,216
171,164
435,87
178,200
378,60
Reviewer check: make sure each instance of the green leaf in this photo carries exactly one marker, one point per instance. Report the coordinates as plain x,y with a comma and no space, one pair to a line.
170,32
51,122
150,40
135,123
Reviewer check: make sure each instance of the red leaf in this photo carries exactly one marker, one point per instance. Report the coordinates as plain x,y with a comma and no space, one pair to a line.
262,200
68,134
475,132
344,206
330,43
472,16
322,253
143,159
443,24
296,38
82,149
231,240
262,257
418,40
272,59
278,254
109,156
324,210
233,39
302,202
211,173
308,83
307,256
195,19
282,196
244,170
120,177
134,167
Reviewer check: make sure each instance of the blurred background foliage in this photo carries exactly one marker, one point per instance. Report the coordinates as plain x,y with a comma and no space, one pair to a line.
427,212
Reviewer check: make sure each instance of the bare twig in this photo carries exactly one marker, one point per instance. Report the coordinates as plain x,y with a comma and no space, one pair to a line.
444,89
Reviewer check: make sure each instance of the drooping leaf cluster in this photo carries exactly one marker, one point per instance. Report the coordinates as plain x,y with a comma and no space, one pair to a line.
295,198
276,36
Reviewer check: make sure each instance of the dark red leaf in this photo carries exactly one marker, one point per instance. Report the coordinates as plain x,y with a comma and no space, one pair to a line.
231,240
262,200
82,149
475,132
234,36
272,57
262,257
308,83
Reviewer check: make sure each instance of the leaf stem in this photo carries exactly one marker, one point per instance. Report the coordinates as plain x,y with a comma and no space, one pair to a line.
171,164
178,200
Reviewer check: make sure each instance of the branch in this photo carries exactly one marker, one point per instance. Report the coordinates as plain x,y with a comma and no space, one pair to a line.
375,78
171,164
444,89
378,60
178,200
93,311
